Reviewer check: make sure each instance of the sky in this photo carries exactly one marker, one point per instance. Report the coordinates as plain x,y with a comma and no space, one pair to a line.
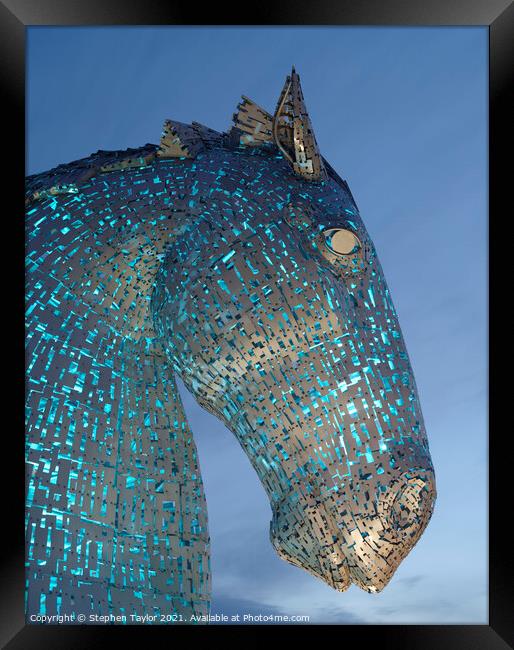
401,114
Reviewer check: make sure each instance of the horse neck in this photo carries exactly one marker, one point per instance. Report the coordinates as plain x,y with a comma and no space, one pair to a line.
105,419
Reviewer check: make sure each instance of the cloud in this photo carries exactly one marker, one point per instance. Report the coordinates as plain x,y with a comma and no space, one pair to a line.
231,606
411,581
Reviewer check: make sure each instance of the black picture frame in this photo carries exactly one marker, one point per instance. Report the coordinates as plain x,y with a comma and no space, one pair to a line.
498,15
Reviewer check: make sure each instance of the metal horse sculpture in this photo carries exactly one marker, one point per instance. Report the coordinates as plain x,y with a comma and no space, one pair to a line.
238,261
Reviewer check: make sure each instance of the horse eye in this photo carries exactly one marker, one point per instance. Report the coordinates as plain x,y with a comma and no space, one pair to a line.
341,241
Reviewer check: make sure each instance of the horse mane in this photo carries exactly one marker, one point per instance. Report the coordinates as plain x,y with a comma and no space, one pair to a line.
192,139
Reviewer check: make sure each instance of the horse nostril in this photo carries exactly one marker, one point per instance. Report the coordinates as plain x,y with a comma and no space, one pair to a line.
405,509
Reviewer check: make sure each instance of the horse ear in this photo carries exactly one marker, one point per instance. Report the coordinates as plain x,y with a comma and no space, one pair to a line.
253,122
293,133
179,140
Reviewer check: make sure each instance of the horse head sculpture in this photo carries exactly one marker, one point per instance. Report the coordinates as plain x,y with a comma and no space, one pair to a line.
277,315
240,262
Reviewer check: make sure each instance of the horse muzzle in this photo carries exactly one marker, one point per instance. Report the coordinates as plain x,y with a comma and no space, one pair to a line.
342,545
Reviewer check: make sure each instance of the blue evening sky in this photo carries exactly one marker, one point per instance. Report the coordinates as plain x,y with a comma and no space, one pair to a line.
401,114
